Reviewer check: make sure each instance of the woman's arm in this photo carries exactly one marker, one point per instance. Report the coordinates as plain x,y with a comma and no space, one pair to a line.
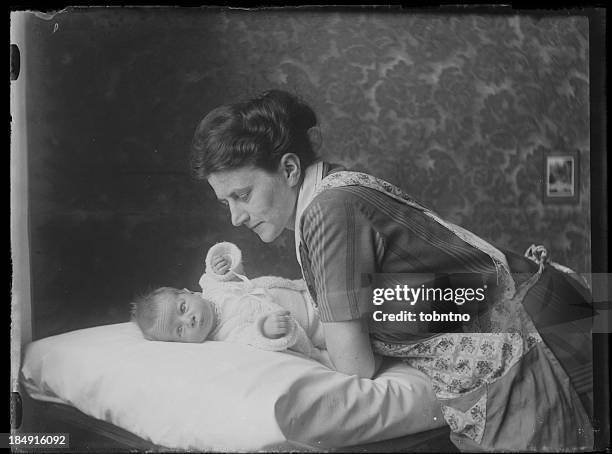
350,351
338,254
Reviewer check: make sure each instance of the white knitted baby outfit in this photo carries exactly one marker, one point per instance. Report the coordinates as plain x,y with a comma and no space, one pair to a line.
243,304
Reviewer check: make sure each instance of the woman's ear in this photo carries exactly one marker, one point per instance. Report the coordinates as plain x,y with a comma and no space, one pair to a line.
291,169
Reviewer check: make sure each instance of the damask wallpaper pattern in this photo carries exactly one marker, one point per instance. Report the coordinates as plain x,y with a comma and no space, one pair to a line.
457,109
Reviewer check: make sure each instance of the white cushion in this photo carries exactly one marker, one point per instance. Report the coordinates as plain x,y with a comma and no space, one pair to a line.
221,396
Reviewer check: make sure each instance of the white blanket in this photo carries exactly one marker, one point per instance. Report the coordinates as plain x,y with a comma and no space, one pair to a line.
224,397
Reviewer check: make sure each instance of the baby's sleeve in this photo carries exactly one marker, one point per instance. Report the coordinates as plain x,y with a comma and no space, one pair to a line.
254,313
251,333
232,254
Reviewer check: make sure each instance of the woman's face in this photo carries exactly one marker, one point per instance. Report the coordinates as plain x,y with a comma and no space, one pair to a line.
262,201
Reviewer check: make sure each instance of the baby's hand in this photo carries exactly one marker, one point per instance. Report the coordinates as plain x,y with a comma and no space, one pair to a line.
276,324
220,264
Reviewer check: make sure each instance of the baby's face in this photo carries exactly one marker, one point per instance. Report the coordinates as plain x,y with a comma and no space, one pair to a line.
183,317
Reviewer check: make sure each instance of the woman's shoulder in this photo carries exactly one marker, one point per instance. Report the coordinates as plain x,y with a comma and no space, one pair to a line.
344,206
341,207
363,198
340,194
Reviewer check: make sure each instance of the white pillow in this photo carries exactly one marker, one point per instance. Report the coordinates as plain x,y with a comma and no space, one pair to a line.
221,396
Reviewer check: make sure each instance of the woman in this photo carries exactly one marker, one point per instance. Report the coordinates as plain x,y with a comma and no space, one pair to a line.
499,383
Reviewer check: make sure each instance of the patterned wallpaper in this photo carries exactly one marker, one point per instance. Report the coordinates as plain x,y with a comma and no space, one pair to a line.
457,109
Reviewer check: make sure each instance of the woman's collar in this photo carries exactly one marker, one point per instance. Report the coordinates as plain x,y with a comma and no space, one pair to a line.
312,178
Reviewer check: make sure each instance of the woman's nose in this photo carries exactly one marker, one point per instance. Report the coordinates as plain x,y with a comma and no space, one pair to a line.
239,216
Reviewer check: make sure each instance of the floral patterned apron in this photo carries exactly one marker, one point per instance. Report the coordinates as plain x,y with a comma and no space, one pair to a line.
500,387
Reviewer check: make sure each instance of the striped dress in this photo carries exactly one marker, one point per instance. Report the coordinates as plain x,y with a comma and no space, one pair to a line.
514,390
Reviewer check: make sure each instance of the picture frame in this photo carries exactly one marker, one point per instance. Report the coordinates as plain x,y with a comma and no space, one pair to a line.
561,177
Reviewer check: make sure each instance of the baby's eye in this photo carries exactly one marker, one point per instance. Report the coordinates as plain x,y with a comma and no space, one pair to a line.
183,307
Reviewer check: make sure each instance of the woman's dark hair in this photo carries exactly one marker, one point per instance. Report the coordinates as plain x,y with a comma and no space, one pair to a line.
256,132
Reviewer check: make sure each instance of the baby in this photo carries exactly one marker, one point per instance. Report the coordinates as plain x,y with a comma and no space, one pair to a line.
269,312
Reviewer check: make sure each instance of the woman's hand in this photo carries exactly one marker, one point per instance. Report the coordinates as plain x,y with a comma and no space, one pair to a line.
276,324
350,351
220,264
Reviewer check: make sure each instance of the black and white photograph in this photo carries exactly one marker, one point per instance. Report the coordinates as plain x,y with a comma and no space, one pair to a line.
317,229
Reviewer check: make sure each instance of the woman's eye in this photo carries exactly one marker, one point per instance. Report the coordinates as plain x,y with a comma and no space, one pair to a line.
244,196
183,307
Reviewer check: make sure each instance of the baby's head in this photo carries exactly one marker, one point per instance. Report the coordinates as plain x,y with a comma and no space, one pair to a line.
173,315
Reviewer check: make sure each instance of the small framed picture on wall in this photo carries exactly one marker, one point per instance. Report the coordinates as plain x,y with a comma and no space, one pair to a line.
561,177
